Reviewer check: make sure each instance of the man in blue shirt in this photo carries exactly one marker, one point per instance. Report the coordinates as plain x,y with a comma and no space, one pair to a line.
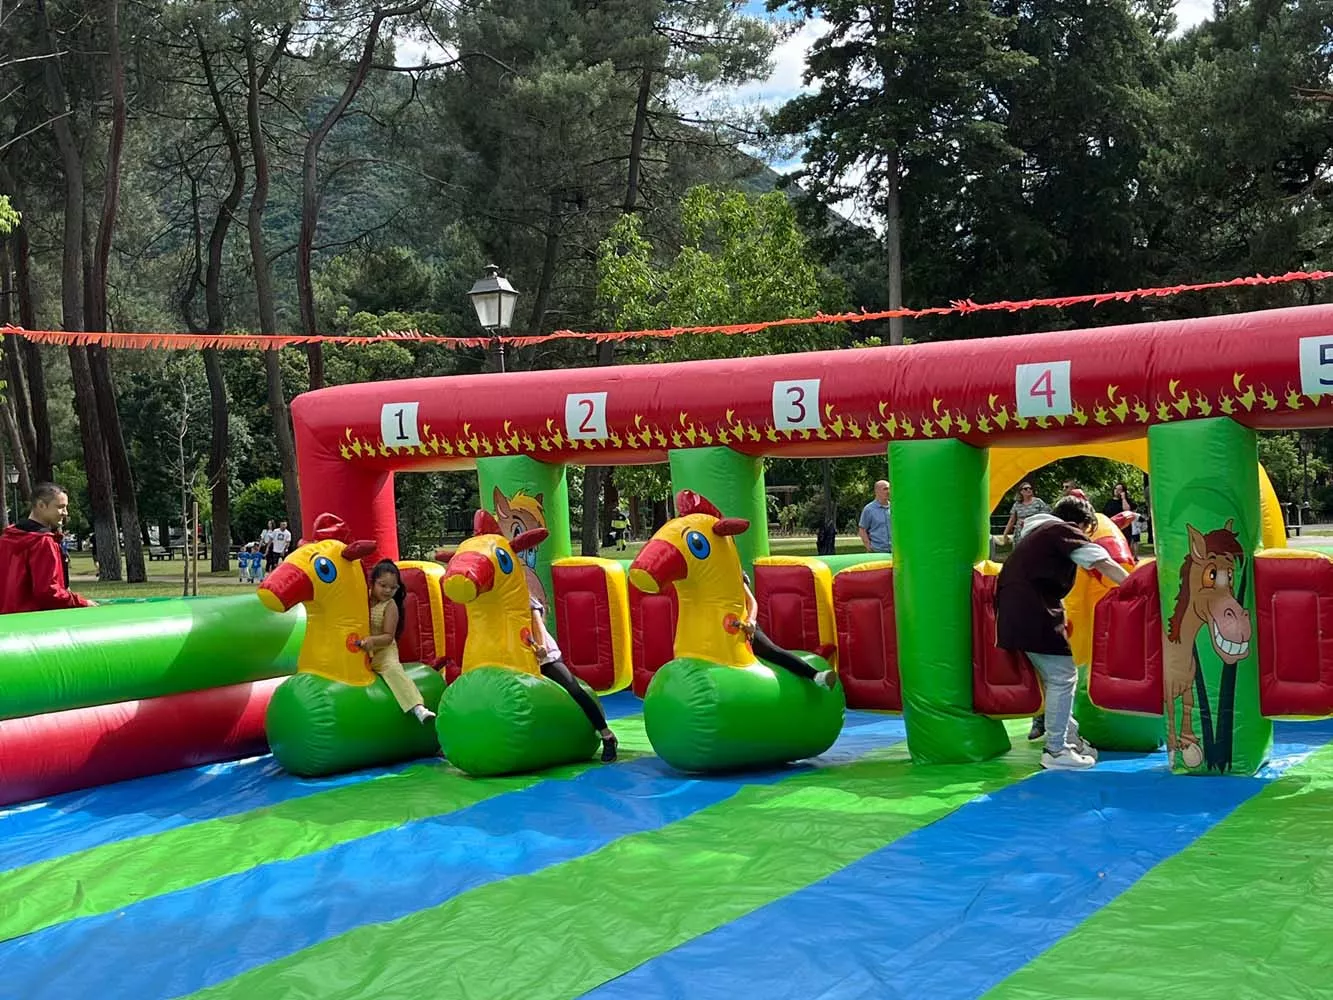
874,524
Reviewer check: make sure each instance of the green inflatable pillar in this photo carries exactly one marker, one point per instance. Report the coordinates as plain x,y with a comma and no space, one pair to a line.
517,488
735,484
1206,526
939,514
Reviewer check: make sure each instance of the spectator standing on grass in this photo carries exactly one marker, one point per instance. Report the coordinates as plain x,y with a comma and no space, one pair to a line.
1027,504
266,542
278,546
34,568
874,526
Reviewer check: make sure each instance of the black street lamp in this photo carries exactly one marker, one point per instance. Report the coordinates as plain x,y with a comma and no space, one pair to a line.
493,298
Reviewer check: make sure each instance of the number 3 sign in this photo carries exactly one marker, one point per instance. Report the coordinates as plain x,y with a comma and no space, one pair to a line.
796,405
1042,389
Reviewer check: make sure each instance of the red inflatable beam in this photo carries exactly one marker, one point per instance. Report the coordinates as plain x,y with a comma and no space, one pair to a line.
44,755
1267,370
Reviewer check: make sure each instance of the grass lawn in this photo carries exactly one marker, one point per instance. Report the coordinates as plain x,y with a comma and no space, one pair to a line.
165,579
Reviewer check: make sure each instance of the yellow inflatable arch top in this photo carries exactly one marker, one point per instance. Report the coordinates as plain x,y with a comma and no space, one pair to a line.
1009,466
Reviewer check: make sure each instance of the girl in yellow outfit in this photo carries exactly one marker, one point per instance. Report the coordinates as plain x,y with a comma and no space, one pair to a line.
386,623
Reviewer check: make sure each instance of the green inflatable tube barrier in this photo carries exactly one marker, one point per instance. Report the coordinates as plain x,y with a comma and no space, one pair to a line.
496,721
318,727
701,716
57,660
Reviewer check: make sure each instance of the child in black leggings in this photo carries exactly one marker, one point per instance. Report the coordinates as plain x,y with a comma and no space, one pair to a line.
766,649
552,666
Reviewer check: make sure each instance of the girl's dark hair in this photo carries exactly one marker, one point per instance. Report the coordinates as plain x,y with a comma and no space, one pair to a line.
1075,510
383,568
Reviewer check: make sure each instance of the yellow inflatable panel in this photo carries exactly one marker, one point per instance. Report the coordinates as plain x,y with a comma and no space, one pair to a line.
617,589
823,584
1010,466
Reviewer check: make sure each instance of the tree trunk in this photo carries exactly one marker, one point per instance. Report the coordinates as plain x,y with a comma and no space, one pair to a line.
104,385
4,490
72,278
894,235
43,456
15,450
310,186
542,300
636,140
26,445
219,474
268,323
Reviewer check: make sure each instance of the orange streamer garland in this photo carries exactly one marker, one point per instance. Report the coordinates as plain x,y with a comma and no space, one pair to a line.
960,307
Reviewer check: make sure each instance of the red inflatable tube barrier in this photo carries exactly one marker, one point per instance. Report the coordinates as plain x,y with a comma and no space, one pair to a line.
44,755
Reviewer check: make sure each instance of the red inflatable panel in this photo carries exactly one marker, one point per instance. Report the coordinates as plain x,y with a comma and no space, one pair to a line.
1126,671
1003,682
583,623
455,638
1294,601
867,639
788,606
44,755
652,619
416,642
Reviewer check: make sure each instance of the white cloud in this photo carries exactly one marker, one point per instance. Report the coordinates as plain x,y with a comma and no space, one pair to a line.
1191,12
784,82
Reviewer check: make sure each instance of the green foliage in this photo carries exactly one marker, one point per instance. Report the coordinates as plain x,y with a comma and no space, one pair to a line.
258,503
9,219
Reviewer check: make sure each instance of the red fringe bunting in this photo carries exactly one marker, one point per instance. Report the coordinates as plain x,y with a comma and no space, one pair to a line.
961,307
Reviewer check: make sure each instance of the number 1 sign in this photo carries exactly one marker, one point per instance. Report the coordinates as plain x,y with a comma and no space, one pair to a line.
398,425
1042,389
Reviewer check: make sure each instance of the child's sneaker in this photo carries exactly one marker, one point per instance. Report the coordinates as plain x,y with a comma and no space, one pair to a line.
1038,730
609,746
1067,759
424,715
827,679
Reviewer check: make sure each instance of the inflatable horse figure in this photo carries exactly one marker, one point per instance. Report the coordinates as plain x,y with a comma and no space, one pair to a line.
335,714
716,706
501,716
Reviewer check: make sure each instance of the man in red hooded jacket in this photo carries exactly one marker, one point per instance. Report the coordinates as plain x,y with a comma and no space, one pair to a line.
34,570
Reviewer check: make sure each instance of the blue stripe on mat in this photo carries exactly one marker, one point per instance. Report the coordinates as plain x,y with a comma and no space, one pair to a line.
76,821
224,927
955,907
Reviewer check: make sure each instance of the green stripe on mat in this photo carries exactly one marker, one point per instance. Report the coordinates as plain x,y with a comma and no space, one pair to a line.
111,876
570,927
1242,912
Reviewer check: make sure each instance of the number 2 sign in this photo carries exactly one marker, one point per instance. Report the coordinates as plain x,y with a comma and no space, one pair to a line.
398,425
1042,389
796,405
585,416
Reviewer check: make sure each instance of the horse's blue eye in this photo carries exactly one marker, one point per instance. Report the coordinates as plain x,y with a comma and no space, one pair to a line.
325,570
504,560
698,544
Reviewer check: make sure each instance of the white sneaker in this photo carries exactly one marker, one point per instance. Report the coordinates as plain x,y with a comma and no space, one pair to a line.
1066,760
827,679
1085,748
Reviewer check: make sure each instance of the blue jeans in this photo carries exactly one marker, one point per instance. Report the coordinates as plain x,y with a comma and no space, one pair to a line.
1059,677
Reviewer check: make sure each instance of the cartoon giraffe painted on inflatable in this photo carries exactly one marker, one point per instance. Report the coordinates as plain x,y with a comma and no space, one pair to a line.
1206,599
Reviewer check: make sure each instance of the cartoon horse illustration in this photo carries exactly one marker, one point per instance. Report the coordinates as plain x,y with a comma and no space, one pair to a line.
1207,598
516,515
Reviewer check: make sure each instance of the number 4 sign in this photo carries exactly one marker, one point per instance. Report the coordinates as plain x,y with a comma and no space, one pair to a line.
398,425
1042,389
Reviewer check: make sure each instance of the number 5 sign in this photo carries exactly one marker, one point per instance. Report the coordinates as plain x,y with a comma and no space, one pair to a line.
1316,365
1042,389
796,405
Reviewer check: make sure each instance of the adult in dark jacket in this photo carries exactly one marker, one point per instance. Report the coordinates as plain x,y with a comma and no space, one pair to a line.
1030,615
34,570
